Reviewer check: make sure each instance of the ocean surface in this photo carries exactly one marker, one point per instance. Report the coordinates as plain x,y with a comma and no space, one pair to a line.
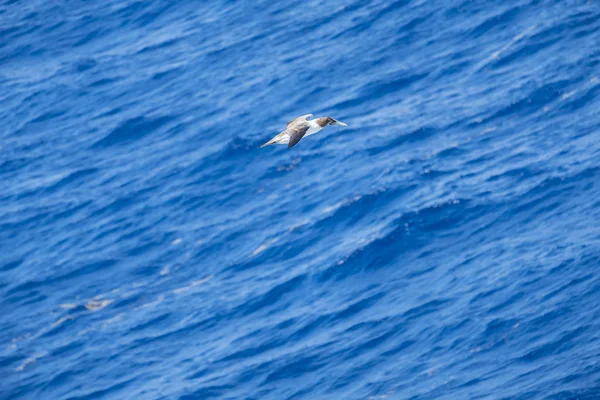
445,245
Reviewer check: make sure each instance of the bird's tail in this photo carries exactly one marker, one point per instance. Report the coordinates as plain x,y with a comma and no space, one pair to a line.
272,141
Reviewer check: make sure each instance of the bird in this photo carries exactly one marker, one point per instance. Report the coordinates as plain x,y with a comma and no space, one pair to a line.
300,127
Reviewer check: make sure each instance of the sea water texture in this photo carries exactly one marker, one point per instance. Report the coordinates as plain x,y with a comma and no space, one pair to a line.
445,245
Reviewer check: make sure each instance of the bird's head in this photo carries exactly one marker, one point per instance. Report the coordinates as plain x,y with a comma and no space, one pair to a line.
333,121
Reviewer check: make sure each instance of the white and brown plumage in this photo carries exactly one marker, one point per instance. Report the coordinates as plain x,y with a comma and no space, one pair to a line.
300,127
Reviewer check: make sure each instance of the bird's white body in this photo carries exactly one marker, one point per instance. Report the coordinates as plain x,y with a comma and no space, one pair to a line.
314,128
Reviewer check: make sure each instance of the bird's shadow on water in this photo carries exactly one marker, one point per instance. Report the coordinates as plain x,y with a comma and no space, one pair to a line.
132,130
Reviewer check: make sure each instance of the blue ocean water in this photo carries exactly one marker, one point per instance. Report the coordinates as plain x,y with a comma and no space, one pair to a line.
446,245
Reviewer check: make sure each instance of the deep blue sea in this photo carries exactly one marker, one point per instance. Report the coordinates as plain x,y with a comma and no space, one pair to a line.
445,245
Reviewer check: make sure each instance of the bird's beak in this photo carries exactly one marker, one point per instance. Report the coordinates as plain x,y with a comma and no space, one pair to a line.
339,123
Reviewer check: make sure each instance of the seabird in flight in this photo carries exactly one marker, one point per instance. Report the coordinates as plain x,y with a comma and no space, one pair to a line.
300,127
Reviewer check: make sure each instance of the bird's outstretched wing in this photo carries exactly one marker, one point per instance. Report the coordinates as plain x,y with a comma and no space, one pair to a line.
296,132
302,118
